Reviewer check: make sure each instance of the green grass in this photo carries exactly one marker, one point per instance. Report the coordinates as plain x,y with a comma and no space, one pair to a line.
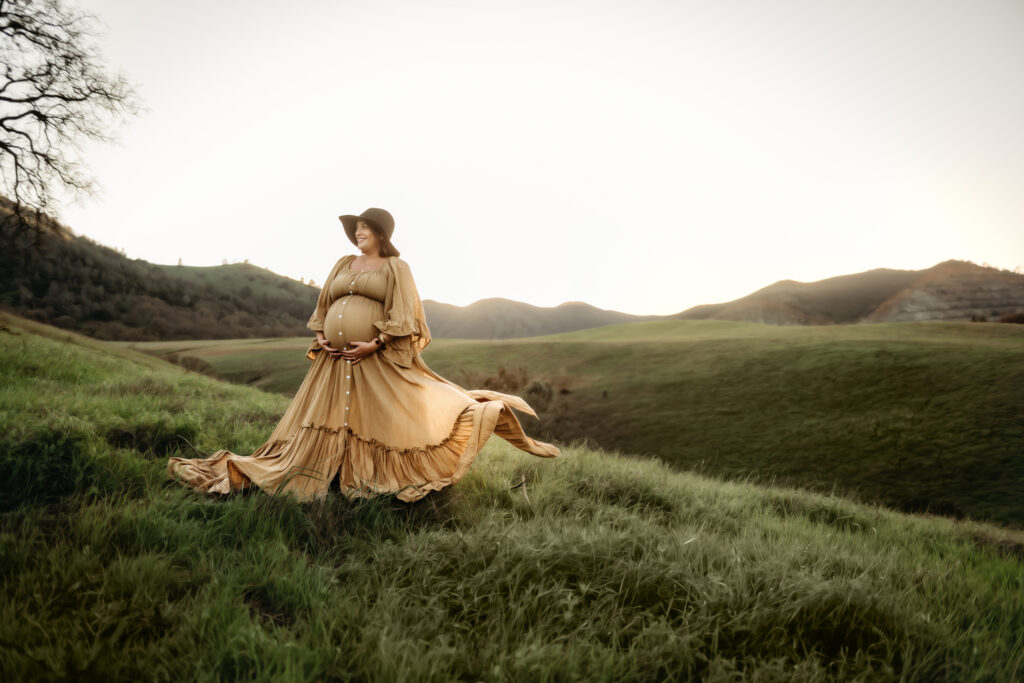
592,566
276,364
918,416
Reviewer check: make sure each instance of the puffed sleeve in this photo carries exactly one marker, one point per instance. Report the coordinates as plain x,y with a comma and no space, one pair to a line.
323,302
404,320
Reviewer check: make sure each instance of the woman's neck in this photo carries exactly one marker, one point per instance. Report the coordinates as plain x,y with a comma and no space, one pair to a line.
365,259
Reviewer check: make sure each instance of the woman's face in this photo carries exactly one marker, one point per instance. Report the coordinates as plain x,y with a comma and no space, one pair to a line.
366,239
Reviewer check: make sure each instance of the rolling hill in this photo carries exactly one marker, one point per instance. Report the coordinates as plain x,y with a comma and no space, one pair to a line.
953,290
76,284
506,319
585,567
919,416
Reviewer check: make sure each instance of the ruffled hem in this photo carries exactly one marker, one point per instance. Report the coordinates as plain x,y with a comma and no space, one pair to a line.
303,465
306,464
372,468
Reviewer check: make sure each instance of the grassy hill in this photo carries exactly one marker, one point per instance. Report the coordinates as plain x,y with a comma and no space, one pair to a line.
506,319
76,284
956,290
79,285
919,416
586,567
842,299
952,290
73,283
243,279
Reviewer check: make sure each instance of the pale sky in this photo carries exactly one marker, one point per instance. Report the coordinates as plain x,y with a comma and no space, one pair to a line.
643,156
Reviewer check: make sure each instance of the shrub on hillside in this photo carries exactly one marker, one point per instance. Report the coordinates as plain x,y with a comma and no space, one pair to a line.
44,465
51,463
508,380
160,436
538,394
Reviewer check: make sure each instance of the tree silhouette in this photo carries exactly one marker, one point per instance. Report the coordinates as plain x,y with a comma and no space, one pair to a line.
54,94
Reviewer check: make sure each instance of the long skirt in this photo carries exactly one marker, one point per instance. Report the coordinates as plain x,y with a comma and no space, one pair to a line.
378,427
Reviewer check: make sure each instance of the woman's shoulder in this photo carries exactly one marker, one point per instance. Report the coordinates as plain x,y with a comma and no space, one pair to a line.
397,264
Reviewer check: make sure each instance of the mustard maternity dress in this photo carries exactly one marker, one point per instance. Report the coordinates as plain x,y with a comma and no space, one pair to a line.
385,425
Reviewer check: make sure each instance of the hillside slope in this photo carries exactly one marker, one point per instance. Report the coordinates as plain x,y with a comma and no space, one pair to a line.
953,290
920,416
505,319
586,567
78,285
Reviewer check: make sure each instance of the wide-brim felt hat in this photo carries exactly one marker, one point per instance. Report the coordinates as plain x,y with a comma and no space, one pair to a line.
378,217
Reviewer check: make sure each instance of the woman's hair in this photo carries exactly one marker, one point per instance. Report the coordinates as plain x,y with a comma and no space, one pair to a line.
386,248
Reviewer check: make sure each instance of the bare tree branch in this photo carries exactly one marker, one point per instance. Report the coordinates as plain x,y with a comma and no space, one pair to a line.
54,94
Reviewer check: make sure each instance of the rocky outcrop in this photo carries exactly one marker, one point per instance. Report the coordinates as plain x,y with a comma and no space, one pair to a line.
955,290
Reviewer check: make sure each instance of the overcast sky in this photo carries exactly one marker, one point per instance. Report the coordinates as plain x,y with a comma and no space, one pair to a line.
641,156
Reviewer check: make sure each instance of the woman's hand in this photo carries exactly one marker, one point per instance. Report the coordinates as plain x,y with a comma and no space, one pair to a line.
357,351
326,345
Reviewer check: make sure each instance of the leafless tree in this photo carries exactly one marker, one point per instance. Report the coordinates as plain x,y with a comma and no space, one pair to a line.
55,93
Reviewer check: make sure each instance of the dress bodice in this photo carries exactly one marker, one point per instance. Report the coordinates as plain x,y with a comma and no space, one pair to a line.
373,284
386,300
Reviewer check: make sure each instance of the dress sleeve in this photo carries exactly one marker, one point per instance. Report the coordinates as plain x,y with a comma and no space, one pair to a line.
404,320
323,302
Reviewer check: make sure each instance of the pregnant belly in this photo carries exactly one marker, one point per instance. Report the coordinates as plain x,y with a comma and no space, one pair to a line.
351,318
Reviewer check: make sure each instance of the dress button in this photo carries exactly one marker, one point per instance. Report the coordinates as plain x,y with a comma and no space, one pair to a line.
348,392
339,316
346,407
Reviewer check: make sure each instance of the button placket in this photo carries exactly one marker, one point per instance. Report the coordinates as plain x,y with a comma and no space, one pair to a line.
347,388
347,384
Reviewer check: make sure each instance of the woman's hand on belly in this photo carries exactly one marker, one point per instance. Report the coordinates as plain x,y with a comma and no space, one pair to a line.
326,345
357,351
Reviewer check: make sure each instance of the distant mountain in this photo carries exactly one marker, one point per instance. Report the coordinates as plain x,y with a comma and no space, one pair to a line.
505,319
952,290
72,282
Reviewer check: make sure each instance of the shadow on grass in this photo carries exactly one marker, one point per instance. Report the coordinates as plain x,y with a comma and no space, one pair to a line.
333,525
159,437
52,463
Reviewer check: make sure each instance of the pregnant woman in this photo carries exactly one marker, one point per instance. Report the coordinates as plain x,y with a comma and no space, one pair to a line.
369,412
